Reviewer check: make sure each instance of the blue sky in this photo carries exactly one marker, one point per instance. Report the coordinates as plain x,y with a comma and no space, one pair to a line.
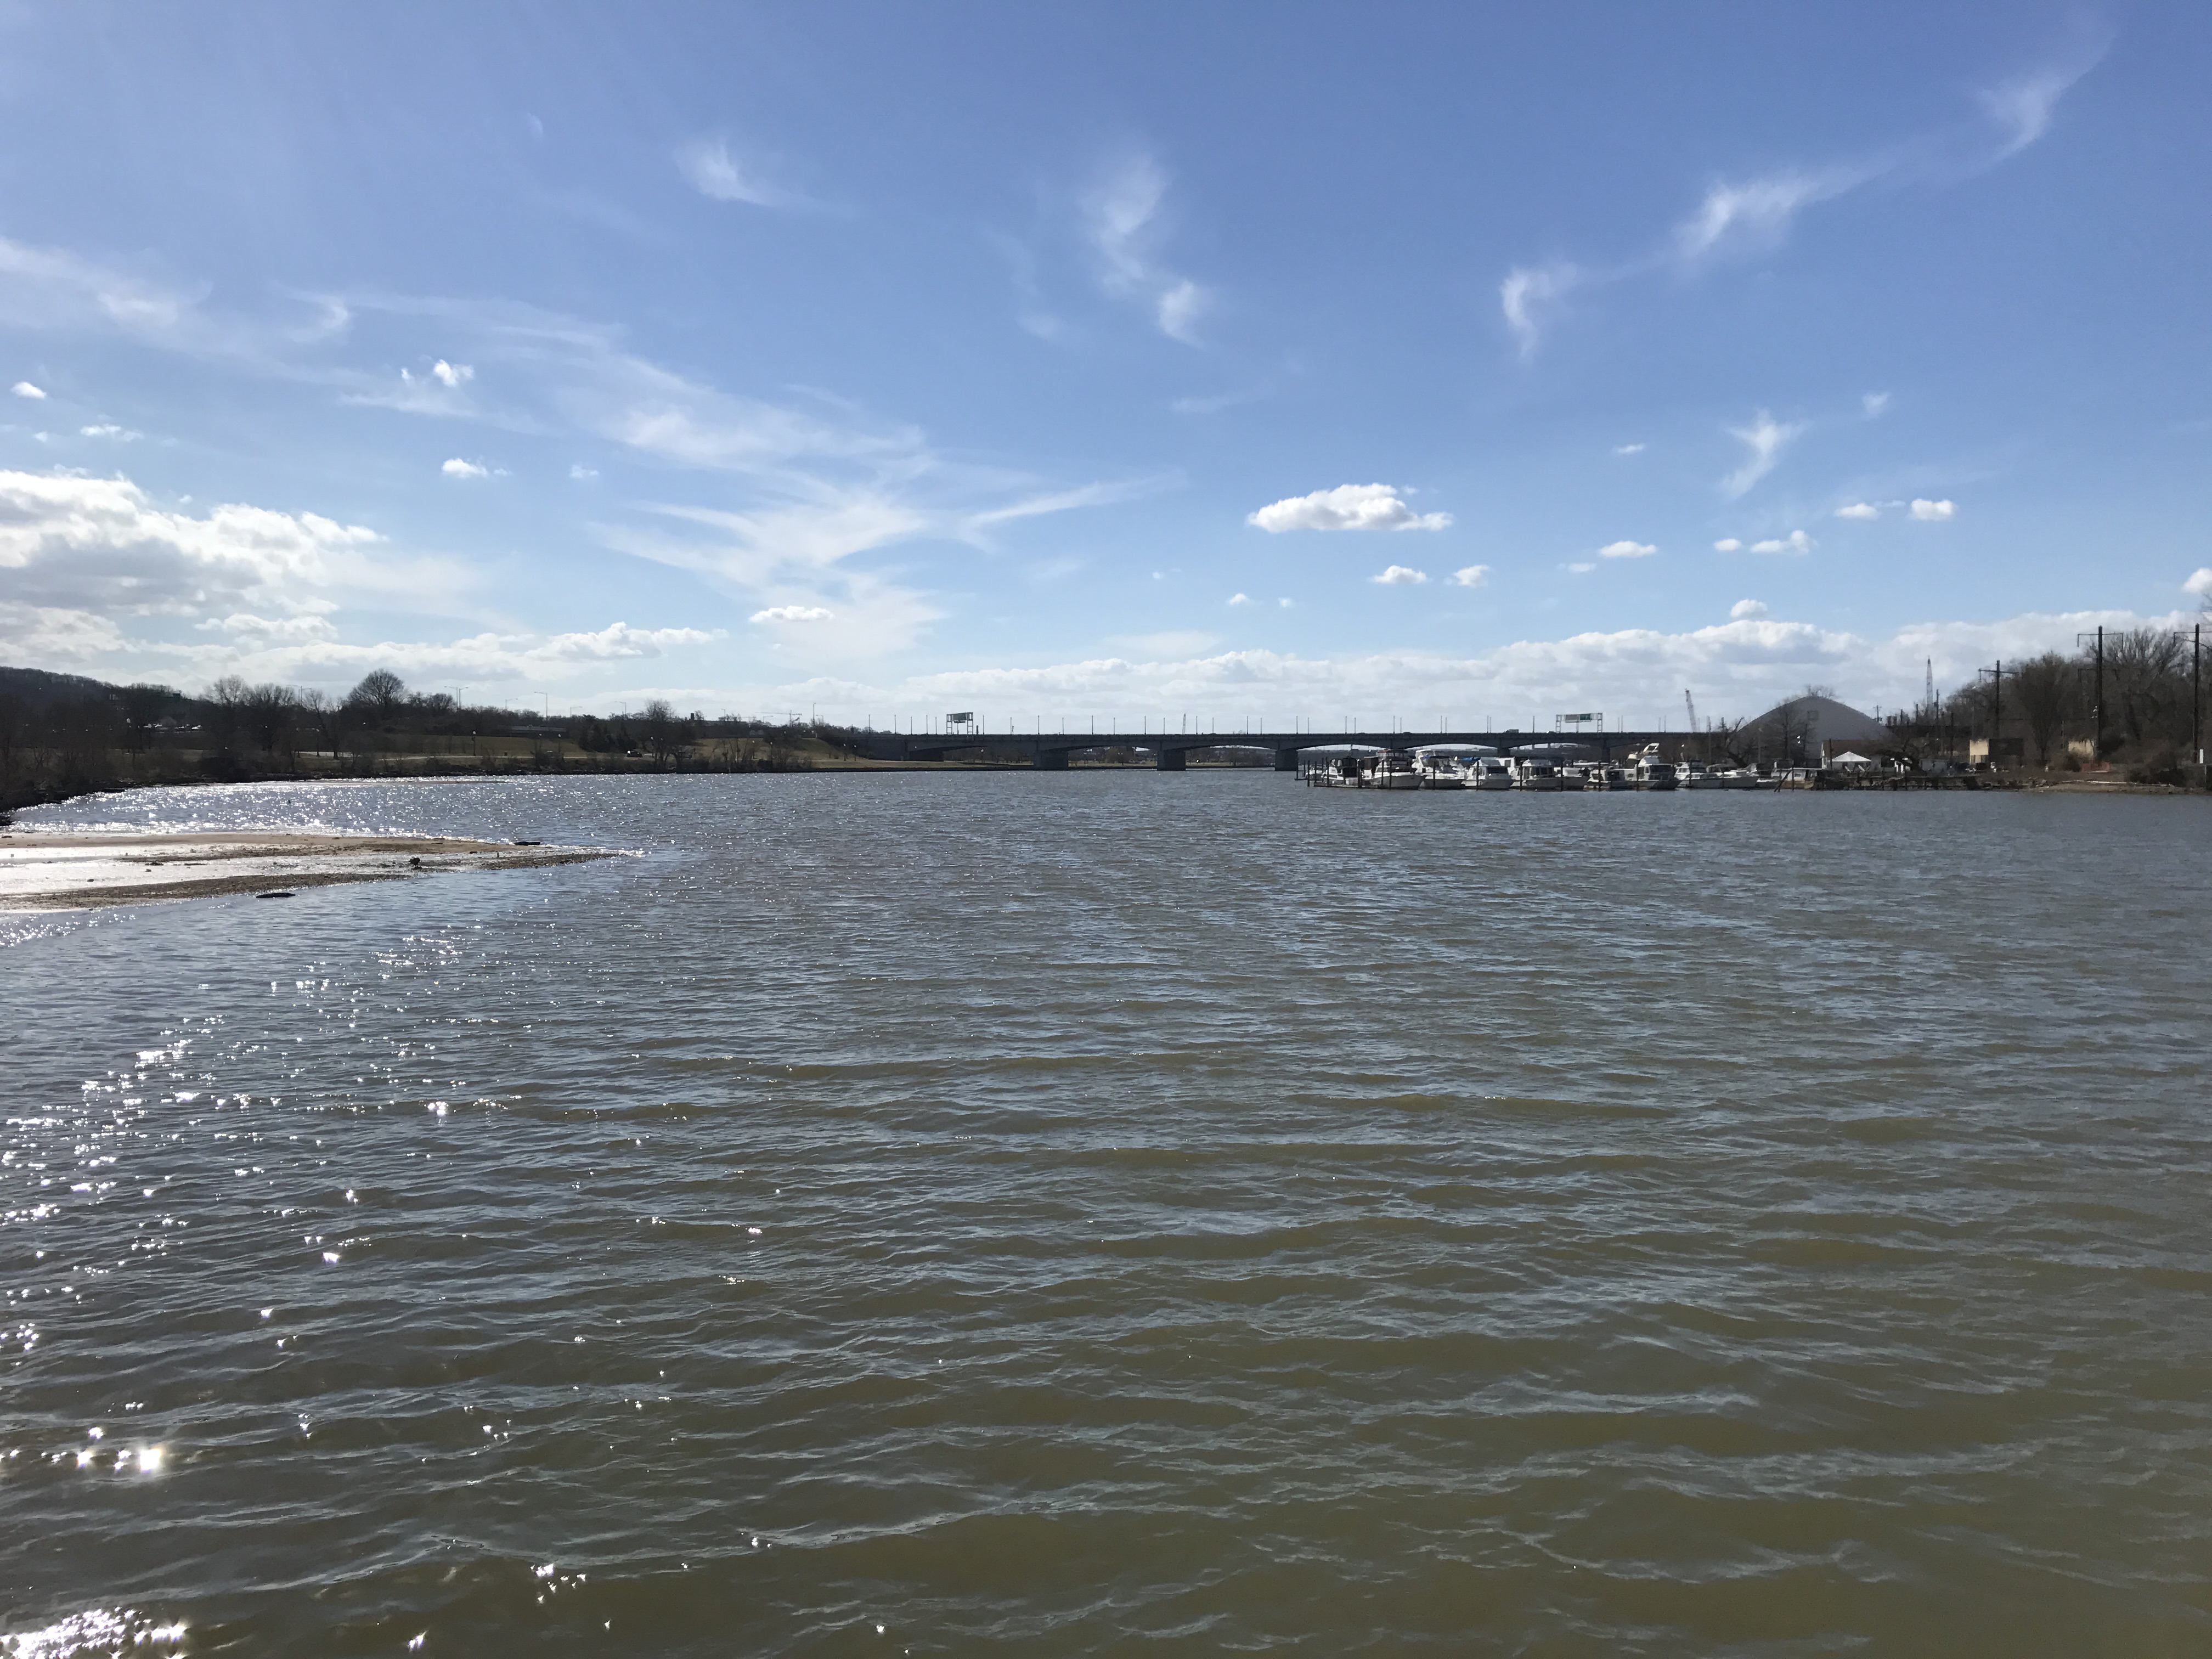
1248,361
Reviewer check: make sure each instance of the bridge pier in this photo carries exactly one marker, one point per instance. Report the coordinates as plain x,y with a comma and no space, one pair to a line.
1168,760
1049,760
1286,760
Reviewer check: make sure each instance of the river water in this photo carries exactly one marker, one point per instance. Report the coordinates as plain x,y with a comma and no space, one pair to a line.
1122,1213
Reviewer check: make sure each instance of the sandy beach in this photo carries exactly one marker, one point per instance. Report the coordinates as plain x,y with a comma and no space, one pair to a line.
58,869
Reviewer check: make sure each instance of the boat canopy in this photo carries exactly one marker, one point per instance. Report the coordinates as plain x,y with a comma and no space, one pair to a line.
1438,750
1343,749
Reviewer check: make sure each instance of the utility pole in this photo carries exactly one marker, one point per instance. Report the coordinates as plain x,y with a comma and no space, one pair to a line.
2196,697
1996,707
2097,698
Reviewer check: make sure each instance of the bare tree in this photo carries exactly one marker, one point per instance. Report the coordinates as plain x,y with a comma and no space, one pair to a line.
381,694
658,727
2043,689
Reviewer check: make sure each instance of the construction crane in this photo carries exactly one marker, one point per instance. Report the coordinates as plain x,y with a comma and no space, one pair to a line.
1690,703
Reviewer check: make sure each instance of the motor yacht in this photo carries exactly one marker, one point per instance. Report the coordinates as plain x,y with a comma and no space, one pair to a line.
1489,772
1394,770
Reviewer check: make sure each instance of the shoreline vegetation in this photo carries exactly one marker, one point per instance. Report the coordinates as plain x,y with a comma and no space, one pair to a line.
2123,716
63,736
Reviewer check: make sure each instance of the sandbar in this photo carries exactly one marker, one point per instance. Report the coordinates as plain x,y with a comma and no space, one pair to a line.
78,870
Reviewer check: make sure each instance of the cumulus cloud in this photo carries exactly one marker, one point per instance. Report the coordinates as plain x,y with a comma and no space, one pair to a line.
1530,295
1728,544
583,474
1766,438
25,389
99,544
1859,510
791,613
121,434
709,167
451,374
1473,576
1240,598
1873,403
458,468
1400,575
1580,568
1627,551
1121,221
1929,511
1347,507
1795,542
1628,449
2199,583
1747,610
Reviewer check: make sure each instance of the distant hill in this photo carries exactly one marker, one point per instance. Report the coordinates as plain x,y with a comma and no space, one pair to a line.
36,687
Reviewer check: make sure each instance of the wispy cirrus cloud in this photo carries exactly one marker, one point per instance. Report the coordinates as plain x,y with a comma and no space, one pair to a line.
1122,223
787,493
1766,438
1754,214
1531,294
711,168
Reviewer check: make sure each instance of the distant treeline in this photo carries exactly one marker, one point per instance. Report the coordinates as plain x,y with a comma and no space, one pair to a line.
63,735
2133,698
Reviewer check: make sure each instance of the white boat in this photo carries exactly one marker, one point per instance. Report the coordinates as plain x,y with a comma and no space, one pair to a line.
1337,765
1607,777
1696,775
1535,774
1489,772
1739,777
1652,773
1394,770
1450,765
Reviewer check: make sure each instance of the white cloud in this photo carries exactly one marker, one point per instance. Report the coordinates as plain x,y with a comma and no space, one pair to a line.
1121,221
2022,109
582,473
1929,511
1473,576
1400,575
458,468
1628,449
1766,438
1747,610
451,374
713,172
1859,510
100,548
25,389
1530,294
2199,583
1795,542
1347,507
1728,544
1873,404
1742,666
1627,551
791,613
1756,214
108,429
1581,568
1286,604
1240,598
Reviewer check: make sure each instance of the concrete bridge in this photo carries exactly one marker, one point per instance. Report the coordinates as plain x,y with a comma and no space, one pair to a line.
1049,751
